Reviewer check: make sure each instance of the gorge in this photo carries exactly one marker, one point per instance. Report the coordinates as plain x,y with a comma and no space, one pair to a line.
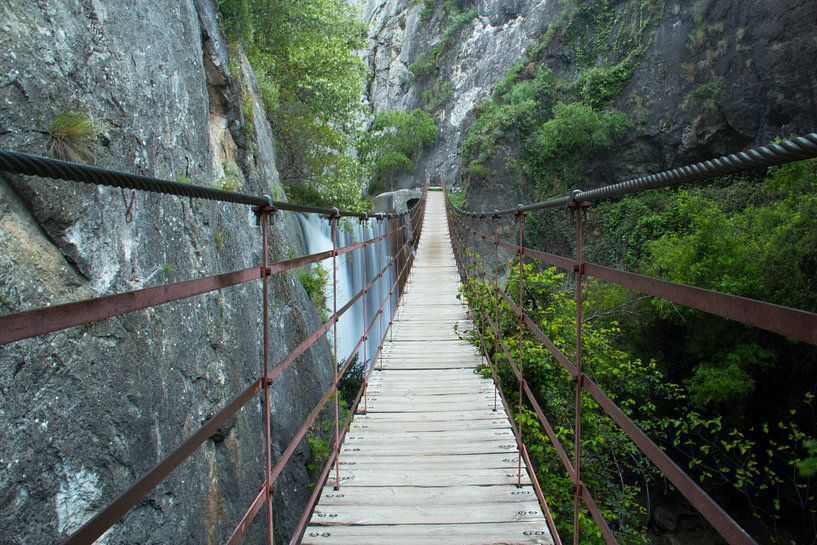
530,98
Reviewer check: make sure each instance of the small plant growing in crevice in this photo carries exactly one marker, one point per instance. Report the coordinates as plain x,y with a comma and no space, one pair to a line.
318,440
249,116
230,181
705,97
314,280
72,134
437,96
218,238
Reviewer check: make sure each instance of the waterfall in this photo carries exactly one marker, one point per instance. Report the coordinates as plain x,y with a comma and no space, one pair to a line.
352,276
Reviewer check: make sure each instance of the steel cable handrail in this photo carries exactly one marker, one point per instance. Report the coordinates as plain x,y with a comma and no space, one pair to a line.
15,162
786,151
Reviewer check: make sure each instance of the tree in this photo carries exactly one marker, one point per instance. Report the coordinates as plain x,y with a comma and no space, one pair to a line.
311,81
393,142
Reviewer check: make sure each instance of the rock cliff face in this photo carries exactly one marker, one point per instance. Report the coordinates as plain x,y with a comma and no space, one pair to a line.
742,62
86,411
476,58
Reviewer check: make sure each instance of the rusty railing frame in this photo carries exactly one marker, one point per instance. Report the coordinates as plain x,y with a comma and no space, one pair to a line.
27,324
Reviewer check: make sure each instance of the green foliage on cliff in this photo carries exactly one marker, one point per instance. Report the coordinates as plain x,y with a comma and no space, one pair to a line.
426,62
393,142
313,279
562,145
72,135
598,86
311,82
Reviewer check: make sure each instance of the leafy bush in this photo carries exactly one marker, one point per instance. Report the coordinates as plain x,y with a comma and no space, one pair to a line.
706,96
518,105
563,147
437,96
598,86
758,467
477,170
578,130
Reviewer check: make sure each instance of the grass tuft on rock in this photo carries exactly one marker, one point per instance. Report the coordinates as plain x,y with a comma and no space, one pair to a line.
72,134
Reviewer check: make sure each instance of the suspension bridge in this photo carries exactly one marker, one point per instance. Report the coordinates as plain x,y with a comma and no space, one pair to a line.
428,454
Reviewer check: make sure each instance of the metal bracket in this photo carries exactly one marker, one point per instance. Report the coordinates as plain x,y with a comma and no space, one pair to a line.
268,208
334,215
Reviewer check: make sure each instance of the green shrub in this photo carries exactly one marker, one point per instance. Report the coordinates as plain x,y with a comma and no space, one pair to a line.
230,181
477,170
437,96
314,279
597,86
576,131
427,11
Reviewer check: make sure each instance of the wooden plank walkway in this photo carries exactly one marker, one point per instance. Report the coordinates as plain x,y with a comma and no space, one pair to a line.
431,463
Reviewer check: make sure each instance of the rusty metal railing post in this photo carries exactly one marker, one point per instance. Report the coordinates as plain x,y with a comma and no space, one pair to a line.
264,219
520,220
398,276
363,222
334,223
495,298
381,299
578,486
482,238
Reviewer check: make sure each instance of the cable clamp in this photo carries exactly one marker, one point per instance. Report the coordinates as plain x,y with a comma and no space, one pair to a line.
268,208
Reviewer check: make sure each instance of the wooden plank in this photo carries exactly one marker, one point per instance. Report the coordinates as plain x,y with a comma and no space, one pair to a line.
427,416
368,437
428,513
429,477
466,461
431,426
516,533
436,449
412,495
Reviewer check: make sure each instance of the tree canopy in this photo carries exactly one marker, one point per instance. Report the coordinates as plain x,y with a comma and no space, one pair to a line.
394,140
311,80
